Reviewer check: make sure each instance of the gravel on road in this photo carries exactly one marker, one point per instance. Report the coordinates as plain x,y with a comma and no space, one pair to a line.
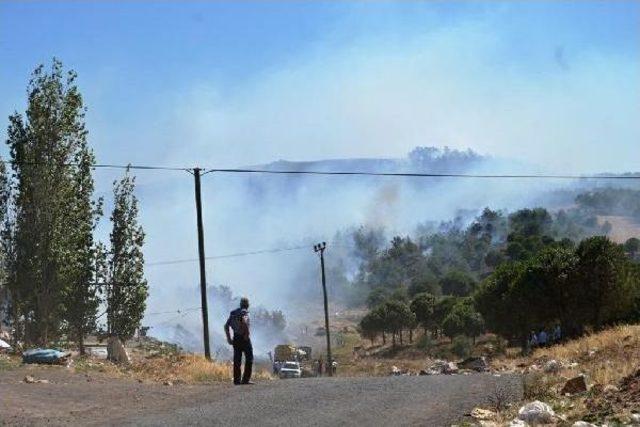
438,400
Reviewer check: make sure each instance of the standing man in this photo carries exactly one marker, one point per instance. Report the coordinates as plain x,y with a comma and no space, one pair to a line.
239,322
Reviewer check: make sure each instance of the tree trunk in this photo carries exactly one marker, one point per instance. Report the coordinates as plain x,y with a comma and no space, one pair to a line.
393,339
400,337
81,343
384,339
410,336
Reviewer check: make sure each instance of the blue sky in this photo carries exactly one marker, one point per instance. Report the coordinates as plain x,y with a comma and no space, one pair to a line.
554,84
233,83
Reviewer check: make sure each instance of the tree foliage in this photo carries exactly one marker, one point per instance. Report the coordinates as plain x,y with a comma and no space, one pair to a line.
128,289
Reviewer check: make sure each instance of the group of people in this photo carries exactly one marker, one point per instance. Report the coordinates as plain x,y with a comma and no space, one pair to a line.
320,368
545,338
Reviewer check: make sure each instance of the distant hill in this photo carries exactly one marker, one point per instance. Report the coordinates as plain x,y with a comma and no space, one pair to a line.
420,159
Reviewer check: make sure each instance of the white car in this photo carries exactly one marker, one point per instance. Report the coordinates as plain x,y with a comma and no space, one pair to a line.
290,370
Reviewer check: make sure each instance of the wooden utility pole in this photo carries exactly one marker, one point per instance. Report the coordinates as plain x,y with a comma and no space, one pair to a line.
203,274
320,247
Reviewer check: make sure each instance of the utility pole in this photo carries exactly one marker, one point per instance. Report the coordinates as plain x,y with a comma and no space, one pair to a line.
320,247
203,274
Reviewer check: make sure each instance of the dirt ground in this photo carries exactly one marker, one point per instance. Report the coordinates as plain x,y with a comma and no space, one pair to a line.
72,398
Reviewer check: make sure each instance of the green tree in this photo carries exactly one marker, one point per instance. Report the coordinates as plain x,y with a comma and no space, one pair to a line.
601,274
128,289
457,283
371,325
397,317
44,147
504,308
463,319
440,311
84,267
422,307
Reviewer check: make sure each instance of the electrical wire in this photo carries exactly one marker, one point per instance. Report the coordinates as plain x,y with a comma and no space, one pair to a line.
234,255
205,171
423,175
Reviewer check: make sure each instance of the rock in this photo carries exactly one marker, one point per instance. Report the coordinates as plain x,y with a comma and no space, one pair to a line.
552,366
635,418
536,412
31,380
450,368
116,352
436,367
168,383
395,370
478,364
610,389
583,424
517,423
423,372
574,385
482,414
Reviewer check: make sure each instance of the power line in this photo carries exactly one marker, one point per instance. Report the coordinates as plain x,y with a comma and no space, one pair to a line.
423,175
180,310
234,255
347,173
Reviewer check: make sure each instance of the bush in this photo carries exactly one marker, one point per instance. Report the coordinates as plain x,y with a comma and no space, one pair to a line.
461,346
536,387
425,343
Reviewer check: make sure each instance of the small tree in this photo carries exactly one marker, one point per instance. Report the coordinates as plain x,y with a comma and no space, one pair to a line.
463,319
370,326
440,311
128,289
422,307
397,317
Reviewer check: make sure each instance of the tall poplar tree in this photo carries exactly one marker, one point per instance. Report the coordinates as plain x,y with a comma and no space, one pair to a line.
127,289
83,269
53,215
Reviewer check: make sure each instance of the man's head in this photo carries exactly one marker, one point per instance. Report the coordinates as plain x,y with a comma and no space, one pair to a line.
244,303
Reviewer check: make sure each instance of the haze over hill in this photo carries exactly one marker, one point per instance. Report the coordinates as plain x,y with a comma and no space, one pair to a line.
252,212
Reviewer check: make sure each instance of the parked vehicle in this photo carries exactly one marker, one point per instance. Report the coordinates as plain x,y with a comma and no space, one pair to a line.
290,370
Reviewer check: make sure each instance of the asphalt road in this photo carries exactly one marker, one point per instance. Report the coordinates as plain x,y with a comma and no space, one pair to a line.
390,401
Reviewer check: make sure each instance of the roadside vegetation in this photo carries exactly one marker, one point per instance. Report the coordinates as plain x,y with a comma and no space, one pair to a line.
55,276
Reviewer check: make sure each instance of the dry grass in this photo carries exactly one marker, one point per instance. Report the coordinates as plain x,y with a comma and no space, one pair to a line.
605,357
187,368
177,368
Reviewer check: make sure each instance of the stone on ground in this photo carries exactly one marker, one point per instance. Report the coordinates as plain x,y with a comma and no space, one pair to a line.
574,385
116,352
536,412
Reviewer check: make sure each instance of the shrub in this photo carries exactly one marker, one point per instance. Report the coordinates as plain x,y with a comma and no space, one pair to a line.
461,346
536,387
425,343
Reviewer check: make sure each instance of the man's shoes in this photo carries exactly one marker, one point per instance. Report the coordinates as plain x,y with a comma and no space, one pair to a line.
248,383
235,383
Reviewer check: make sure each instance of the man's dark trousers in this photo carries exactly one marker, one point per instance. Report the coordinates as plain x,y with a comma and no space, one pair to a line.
242,346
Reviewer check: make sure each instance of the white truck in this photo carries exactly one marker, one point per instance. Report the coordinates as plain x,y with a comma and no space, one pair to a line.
290,370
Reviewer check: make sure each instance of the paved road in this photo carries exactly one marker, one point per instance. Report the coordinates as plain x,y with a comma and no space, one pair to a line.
390,401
